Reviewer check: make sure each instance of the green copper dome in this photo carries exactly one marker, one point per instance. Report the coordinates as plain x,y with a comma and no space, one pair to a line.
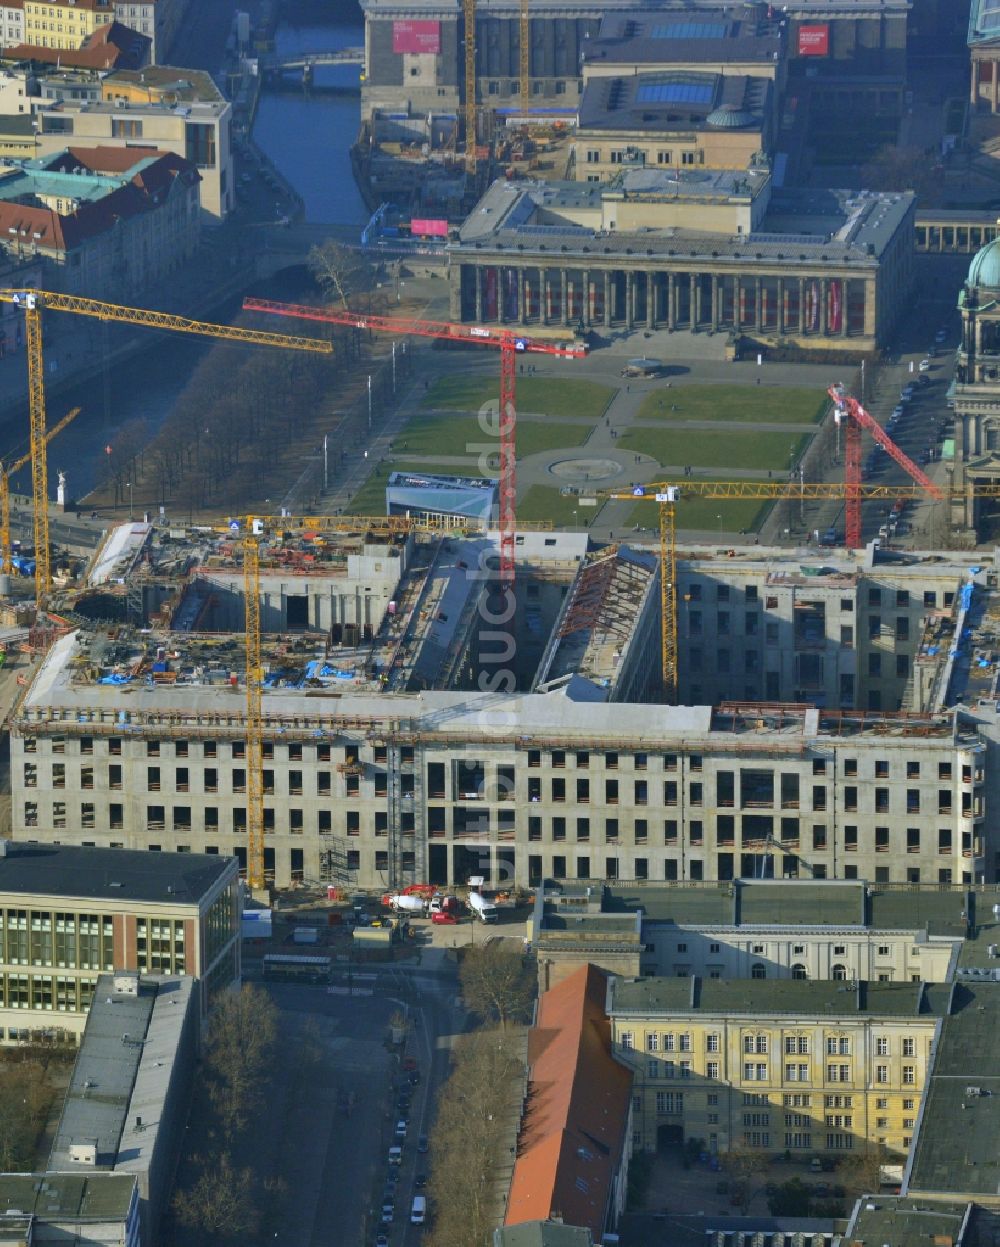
985,267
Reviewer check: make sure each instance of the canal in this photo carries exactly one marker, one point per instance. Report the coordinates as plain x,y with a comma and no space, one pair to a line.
307,136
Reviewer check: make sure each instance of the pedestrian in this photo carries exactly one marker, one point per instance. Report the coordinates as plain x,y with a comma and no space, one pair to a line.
628,389
758,380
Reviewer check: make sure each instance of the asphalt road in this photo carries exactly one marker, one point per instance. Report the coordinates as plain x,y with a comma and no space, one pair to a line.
337,1164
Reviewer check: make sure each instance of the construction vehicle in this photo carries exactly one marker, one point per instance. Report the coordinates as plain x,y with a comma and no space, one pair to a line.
409,905
483,909
510,345
32,302
6,472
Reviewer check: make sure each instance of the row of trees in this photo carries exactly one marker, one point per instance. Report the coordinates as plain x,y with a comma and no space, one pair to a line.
26,1096
221,1201
480,1094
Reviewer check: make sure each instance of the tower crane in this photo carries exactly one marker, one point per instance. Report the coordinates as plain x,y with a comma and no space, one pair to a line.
668,493
6,472
849,410
469,9
33,302
509,344
252,528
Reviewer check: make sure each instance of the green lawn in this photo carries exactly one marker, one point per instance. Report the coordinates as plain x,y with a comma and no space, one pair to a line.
544,503
741,404
702,449
702,514
466,435
547,396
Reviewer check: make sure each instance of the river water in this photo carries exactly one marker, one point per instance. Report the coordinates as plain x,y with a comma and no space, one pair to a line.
308,137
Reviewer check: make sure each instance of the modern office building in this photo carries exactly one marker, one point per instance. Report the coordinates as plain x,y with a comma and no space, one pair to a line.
69,914
173,110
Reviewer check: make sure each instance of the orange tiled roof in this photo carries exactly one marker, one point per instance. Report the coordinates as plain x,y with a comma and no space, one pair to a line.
111,46
573,1131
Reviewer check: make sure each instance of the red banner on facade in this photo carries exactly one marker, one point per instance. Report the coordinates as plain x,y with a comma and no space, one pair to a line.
814,40
424,227
416,36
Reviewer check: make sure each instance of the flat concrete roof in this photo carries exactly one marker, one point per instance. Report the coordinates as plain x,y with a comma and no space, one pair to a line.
775,997
957,1148
52,1196
109,874
907,1223
664,101
122,1072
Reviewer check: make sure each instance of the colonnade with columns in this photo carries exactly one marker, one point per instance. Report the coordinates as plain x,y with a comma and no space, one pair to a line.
635,298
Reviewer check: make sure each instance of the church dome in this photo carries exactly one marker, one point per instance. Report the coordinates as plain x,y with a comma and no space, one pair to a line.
985,267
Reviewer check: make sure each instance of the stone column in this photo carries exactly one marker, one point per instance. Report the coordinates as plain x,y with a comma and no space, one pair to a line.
758,310
563,304
455,293
521,296
802,305
716,299
671,301
737,302
781,312
629,299
607,297
650,300
547,289
973,81
585,299
693,300
478,312
870,309
824,306
843,307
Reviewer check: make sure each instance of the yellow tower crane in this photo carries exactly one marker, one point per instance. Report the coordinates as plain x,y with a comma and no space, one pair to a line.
668,493
469,9
6,472
33,301
252,529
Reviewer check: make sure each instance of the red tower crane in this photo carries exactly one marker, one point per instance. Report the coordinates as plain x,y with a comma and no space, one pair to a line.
849,411
509,344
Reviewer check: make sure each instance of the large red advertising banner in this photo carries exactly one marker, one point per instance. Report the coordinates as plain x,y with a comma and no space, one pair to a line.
814,40
429,227
416,36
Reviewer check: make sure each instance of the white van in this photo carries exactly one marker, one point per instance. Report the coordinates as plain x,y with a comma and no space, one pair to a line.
418,1213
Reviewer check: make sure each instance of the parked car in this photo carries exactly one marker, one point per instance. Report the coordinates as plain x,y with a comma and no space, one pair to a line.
401,1129
388,1213
444,920
395,1155
419,1181
925,365
422,1143
414,1077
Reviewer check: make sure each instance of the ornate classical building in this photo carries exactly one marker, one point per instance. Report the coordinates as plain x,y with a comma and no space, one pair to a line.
977,384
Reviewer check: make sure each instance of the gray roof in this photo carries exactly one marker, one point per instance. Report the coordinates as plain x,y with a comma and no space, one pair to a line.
907,1223
541,1234
659,37
63,1196
121,1051
643,101
775,997
815,226
957,1147
797,903
110,874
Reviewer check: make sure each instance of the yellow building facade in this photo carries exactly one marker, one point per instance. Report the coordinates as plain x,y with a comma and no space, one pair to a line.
801,1067
66,25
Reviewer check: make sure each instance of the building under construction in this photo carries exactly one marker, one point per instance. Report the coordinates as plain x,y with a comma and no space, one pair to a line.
837,713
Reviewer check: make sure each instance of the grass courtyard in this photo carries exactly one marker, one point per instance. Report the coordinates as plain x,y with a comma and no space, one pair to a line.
469,437
701,448
706,515
547,396
735,404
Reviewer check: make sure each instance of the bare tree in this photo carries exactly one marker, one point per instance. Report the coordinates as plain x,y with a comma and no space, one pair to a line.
241,1040
341,271
742,1166
220,1202
497,982
861,1172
